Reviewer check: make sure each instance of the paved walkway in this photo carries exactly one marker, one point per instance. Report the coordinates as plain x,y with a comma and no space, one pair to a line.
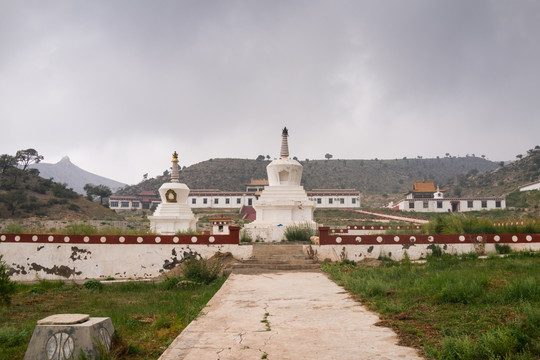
288,315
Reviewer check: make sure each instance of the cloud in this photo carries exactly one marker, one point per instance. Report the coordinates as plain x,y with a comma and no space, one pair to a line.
102,81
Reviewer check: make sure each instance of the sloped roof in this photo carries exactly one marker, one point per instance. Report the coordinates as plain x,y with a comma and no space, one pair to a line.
258,182
424,186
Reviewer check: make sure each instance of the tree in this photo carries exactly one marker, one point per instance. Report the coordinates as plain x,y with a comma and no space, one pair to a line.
145,176
100,191
27,157
519,156
501,163
447,154
328,156
7,287
13,200
260,158
483,156
267,157
6,162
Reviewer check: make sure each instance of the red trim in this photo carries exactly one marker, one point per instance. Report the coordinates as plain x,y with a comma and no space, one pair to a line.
331,239
232,239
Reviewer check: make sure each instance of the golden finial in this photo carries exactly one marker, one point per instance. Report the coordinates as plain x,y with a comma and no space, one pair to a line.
175,157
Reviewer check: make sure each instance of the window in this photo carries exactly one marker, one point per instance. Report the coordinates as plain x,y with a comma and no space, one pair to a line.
216,201
227,201
135,204
425,204
238,201
319,201
194,200
330,201
342,201
353,200
114,203
469,203
125,204
205,201
439,204
484,204
411,204
498,203
250,202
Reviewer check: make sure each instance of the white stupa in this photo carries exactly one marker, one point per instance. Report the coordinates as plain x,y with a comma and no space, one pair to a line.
173,214
284,201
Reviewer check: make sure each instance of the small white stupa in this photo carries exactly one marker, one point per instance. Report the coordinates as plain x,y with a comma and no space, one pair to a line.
284,201
173,214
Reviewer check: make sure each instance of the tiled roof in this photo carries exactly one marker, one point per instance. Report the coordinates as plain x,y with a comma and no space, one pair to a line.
424,186
258,182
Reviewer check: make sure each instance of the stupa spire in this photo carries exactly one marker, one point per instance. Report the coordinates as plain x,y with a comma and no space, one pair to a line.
284,144
175,174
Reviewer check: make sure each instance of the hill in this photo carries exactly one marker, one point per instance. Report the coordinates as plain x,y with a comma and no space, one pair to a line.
66,172
24,194
377,180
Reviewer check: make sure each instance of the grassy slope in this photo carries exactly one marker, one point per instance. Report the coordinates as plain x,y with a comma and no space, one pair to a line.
45,199
377,180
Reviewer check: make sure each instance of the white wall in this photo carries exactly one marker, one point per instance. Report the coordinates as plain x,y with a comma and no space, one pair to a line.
447,205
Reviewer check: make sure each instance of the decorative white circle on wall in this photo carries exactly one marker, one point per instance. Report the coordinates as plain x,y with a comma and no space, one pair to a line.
35,238
399,227
17,238
3,237
158,240
66,239
430,238
355,227
59,346
338,240
211,239
497,238
122,239
358,239
193,239
461,238
139,239
175,239
372,228
479,238
379,239
396,238
50,238
514,238
86,239
103,239
382,227
529,238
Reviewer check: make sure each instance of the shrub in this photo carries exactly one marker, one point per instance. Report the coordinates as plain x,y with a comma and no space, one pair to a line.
189,231
14,228
299,232
7,287
93,285
80,229
244,237
201,271
503,248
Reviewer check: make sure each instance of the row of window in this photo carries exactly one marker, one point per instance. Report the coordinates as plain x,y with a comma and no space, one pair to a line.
470,204
216,201
125,204
331,200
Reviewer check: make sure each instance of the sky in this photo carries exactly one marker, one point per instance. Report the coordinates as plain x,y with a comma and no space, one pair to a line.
119,85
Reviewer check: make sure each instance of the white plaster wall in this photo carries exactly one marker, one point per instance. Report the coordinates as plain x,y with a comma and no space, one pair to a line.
396,252
447,205
325,201
244,201
94,261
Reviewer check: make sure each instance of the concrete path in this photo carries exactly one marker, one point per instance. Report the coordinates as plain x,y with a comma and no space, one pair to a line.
287,315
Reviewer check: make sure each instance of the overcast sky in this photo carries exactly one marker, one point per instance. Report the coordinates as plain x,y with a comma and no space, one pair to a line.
119,85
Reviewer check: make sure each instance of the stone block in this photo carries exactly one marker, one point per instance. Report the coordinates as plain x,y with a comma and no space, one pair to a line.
67,336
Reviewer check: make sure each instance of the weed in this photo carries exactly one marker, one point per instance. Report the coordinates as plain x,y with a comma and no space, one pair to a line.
503,248
13,228
201,271
187,232
7,287
80,229
93,285
299,232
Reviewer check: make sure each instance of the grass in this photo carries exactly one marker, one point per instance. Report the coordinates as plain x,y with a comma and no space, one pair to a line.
300,232
471,224
455,307
147,316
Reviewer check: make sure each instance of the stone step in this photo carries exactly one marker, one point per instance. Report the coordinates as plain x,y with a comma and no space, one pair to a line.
278,261
243,268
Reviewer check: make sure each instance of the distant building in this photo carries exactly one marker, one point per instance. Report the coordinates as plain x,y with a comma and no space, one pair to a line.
531,186
424,197
217,199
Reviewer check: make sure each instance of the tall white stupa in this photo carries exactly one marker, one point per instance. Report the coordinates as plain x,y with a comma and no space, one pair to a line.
284,201
173,214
